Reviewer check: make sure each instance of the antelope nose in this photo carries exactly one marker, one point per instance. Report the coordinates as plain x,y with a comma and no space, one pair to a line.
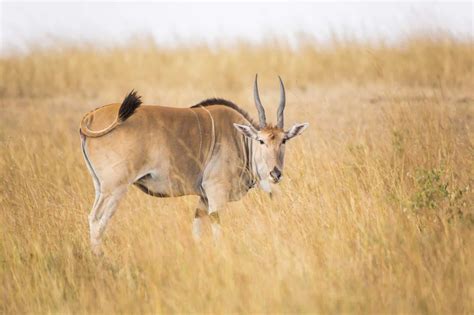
275,174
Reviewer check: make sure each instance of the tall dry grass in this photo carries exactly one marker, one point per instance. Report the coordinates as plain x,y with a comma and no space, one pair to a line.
375,214
87,69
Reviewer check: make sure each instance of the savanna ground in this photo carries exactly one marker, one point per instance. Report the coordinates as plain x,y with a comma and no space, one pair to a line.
374,215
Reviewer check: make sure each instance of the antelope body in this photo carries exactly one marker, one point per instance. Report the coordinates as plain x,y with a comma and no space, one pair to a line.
213,150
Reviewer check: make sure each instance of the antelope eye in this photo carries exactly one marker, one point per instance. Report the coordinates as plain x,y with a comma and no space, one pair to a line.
261,141
284,141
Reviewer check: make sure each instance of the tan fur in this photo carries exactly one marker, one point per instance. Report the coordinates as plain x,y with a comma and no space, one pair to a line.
174,141
212,150
166,152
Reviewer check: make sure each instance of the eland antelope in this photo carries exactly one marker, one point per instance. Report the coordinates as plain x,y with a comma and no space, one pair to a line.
213,149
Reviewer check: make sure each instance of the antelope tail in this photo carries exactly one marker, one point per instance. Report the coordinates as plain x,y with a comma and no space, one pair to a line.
131,102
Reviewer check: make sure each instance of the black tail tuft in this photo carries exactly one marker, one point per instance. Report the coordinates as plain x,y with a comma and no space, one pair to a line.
131,102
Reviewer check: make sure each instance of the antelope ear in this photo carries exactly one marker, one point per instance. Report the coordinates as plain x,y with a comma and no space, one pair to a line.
247,131
297,129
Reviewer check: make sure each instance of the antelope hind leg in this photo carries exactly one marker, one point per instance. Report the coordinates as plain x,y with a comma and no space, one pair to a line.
100,215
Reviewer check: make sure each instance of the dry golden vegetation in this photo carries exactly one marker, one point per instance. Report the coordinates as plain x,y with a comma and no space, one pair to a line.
375,214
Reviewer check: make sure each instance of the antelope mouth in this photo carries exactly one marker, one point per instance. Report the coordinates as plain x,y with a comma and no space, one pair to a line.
275,180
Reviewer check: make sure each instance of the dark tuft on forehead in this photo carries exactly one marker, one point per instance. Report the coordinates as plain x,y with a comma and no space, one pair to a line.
272,131
271,128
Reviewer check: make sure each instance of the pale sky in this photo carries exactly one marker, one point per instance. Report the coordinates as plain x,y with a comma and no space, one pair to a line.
170,23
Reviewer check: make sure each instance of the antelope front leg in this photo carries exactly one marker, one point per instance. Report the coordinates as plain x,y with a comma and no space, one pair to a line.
216,199
215,204
215,225
201,212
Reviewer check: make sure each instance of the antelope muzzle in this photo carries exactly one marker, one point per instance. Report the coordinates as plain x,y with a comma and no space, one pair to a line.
276,175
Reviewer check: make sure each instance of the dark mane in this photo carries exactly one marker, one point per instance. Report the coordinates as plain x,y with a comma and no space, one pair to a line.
223,102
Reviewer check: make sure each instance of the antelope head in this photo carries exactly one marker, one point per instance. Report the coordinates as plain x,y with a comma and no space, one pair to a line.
270,140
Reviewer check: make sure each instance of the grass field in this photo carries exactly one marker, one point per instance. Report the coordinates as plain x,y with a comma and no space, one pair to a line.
375,214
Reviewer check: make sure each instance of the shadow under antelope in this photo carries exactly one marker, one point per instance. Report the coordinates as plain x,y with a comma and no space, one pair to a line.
213,149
